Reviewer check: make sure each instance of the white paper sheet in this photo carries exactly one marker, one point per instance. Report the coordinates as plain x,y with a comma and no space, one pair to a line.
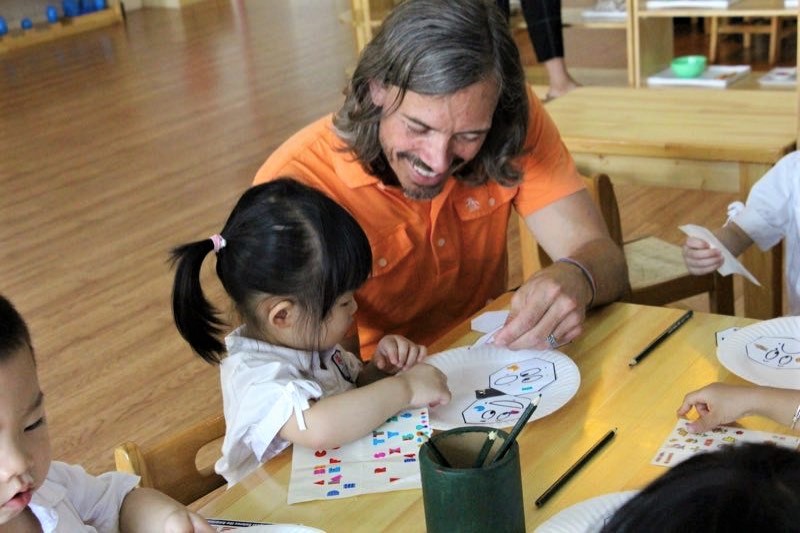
682,443
384,460
731,265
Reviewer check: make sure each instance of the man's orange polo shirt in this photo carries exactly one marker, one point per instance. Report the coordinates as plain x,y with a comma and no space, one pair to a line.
435,262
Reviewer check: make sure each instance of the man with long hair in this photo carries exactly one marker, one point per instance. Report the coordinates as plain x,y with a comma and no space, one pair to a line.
438,139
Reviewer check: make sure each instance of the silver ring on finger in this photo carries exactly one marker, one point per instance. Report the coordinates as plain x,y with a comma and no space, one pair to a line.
552,341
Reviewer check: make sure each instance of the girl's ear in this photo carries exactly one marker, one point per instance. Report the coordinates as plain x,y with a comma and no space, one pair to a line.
281,313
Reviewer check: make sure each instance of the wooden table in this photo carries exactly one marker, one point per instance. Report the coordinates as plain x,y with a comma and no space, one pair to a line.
639,401
718,140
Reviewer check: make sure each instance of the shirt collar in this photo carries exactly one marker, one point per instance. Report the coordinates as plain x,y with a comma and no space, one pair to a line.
44,503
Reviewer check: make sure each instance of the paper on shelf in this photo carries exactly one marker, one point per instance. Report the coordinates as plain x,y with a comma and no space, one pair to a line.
779,77
730,265
680,4
604,14
715,76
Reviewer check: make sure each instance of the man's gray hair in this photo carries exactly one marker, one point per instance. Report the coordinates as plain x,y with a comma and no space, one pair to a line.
438,47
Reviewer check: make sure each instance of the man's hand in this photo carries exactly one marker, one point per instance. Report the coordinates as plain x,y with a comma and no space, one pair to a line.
548,310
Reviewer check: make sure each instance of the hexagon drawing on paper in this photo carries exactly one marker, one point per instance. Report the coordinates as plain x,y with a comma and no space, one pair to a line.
498,409
524,377
775,352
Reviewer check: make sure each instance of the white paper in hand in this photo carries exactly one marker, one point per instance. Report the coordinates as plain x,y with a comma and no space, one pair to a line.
730,265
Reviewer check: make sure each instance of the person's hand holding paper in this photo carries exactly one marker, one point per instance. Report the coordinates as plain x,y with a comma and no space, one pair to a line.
730,264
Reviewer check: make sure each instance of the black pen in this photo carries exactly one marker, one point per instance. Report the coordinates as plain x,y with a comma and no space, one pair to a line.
658,340
546,495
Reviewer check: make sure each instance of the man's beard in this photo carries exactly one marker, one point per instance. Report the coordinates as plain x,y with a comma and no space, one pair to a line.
417,192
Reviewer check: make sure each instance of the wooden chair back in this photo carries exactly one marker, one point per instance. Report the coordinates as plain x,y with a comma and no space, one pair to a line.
171,465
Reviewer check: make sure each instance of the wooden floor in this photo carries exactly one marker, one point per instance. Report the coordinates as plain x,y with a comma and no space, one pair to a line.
119,144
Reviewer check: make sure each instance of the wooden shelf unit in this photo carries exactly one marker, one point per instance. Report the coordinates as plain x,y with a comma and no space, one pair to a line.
17,38
653,30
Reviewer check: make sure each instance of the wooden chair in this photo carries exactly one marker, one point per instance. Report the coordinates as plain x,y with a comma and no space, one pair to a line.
656,270
170,466
777,28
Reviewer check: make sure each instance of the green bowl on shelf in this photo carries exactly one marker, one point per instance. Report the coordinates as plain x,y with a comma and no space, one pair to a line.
689,66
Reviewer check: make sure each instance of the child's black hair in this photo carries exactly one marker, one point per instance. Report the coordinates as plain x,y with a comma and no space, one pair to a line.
14,333
284,239
746,487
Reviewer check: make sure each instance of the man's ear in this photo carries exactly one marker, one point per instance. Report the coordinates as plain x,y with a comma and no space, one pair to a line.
280,314
378,92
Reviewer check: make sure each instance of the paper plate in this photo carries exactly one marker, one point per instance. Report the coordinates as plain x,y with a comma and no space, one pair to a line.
491,386
767,353
587,516
282,528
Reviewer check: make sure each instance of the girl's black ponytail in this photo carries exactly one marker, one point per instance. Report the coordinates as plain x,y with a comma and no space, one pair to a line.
196,318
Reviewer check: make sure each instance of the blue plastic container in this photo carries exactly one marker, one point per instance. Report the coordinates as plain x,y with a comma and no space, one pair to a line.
70,8
26,23
52,14
3,26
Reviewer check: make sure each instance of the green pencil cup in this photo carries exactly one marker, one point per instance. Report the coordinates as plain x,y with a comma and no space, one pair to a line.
466,498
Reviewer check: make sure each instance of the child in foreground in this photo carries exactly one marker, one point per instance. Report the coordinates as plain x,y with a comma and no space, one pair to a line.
290,258
746,487
37,494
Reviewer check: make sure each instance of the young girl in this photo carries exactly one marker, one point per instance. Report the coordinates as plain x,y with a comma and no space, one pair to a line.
771,215
290,258
37,494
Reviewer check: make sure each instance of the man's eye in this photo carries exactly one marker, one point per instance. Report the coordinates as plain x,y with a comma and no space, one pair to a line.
36,424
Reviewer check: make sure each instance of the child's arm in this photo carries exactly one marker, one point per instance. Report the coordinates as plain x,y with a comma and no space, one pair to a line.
345,417
701,258
147,510
719,403
393,354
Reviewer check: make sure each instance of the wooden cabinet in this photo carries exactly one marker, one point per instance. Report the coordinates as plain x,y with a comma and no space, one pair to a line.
42,31
653,30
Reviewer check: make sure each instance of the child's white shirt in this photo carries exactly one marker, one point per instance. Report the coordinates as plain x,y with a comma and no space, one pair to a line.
772,214
262,386
70,500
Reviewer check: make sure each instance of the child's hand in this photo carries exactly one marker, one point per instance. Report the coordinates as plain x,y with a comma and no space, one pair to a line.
715,404
186,521
428,385
395,353
700,257
145,509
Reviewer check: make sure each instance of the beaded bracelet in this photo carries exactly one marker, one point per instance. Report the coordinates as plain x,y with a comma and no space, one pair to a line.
586,273
795,418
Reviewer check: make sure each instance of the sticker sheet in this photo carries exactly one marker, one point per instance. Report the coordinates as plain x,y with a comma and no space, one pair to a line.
384,460
682,443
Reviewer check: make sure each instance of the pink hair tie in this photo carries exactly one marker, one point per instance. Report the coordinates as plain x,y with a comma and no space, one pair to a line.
219,242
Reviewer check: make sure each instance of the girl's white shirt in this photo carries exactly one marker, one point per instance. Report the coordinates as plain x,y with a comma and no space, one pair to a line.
262,386
70,500
771,214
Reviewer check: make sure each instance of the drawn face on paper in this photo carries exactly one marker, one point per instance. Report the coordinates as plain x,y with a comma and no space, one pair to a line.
525,377
775,352
496,409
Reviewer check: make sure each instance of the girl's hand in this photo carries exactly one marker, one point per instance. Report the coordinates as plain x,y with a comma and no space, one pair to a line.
186,521
716,404
427,384
395,353
700,257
